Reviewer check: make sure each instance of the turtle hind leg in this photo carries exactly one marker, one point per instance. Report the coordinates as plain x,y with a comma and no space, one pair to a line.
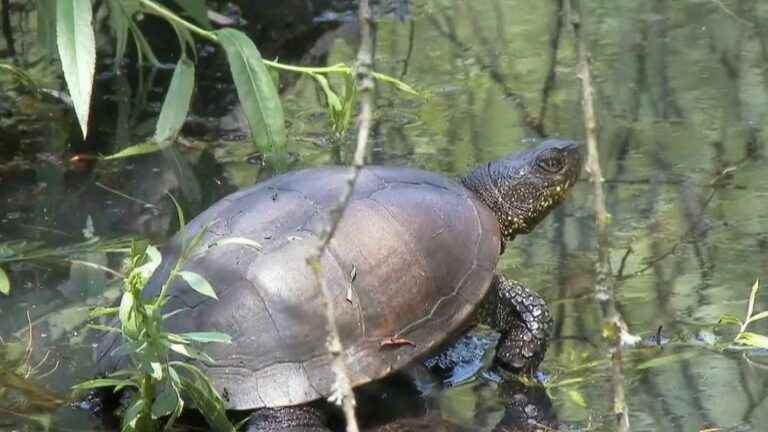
302,418
523,319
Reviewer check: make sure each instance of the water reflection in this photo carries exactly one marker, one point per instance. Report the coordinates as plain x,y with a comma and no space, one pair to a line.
682,99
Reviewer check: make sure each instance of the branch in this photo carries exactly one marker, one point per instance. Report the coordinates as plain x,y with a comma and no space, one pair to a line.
364,74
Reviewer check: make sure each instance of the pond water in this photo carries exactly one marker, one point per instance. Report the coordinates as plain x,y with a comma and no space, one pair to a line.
682,97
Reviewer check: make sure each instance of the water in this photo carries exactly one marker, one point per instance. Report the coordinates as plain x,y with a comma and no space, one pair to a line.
682,98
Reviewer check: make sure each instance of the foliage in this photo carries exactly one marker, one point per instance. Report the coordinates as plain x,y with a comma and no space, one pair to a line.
12,251
743,337
159,385
76,47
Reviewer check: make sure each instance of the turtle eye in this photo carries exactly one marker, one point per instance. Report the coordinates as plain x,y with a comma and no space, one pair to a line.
551,163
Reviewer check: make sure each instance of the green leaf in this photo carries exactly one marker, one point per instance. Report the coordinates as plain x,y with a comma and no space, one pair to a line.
395,82
729,319
206,337
197,10
758,317
198,283
102,382
256,91
577,398
752,339
127,316
752,298
77,50
334,103
176,103
190,352
133,414
165,403
135,150
205,398
5,282
157,370
120,16
153,259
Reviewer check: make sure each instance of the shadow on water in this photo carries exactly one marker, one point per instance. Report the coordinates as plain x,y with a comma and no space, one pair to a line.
682,96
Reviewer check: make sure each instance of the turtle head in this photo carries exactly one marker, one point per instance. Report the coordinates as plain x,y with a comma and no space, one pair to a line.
522,188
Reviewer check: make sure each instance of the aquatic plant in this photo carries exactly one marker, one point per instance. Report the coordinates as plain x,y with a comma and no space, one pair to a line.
158,385
75,43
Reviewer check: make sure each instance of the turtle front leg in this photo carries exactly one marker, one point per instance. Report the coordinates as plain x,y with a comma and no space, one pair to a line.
523,320
301,418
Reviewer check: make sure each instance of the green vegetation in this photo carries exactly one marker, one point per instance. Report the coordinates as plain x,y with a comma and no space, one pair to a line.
12,251
159,386
255,87
746,338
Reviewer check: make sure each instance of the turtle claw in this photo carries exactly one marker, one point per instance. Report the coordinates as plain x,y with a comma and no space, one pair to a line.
523,319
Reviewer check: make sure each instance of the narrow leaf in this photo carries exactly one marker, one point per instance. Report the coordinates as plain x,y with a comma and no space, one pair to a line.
165,403
135,150
334,103
102,382
395,82
77,50
176,103
753,339
191,353
758,317
5,282
153,260
256,91
120,16
198,283
208,337
133,414
752,297
729,319
577,398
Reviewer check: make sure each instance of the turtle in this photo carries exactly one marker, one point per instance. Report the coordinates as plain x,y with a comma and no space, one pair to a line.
410,266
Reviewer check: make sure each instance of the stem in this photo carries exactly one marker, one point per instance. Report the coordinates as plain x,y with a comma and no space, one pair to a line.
211,36
170,16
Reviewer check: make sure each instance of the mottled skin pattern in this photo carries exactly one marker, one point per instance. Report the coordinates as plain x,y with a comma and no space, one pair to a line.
520,190
523,319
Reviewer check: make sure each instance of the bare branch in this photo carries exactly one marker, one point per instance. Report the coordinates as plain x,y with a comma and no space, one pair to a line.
343,391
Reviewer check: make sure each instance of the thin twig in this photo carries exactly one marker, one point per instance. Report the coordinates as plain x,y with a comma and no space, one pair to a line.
364,73
604,286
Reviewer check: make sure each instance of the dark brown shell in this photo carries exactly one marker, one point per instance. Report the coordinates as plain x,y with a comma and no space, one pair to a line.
421,248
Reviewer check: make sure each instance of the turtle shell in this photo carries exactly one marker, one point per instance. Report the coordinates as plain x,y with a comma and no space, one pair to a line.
412,256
